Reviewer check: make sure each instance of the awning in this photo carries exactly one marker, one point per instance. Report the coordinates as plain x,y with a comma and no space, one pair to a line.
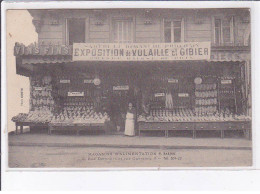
46,59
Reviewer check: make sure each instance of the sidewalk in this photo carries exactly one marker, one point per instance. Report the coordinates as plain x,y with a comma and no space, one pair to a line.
121,141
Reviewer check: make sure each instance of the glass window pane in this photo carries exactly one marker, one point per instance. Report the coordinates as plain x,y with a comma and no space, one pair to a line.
226,34
177,35
123,31
226,22
120,32
217,22
76,28
167,35
217,35
177,24
116,32
167,24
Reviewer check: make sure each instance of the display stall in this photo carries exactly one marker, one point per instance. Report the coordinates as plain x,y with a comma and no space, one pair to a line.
65,97
195,96
168,95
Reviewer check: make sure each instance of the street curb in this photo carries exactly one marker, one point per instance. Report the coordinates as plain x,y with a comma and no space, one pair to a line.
71,145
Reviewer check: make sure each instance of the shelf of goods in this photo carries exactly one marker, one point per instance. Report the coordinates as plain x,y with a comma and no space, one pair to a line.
55,105
36,118
80,105
211,106
186,119
80,116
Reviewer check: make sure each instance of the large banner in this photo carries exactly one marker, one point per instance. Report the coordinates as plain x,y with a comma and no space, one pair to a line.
141,51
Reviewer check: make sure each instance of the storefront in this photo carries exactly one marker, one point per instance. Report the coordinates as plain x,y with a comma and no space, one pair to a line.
173,87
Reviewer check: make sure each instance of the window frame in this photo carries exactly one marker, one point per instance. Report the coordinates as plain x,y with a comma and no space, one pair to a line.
67,29
172,29
231,27
122,19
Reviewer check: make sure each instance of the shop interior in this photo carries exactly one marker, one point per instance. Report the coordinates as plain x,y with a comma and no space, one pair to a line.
159,91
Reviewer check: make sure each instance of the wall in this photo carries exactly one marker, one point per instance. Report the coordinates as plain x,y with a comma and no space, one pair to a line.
50,33
194,31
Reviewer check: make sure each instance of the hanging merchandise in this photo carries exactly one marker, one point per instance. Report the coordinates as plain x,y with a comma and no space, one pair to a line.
205,98
168,101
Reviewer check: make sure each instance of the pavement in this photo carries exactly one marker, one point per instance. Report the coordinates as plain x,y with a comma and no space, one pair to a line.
121,141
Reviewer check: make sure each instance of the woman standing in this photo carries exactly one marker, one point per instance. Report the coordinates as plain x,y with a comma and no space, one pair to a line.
130,121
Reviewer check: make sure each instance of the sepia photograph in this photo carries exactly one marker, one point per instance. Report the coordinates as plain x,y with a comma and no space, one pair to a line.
129,88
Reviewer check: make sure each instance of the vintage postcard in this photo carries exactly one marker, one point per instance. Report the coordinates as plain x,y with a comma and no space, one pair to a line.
129,87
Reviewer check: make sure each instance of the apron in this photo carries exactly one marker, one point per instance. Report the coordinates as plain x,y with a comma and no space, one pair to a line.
130,124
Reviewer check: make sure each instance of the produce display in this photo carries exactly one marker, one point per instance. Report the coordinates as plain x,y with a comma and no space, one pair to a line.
41,93
21,117
169,101
77,100
36,116
80,114
39,116
206,98
226,87
188,115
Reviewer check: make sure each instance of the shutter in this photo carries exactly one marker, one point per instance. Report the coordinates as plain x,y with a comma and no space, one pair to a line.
232,29
182,30
213,29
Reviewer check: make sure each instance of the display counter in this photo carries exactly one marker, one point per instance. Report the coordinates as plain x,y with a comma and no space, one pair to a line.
21,124
193,126
76,126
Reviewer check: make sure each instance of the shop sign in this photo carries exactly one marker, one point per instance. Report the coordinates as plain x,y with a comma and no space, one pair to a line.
183,95
64,81
141,51
230,56
75,93
159,94
34,49
88,81
174,81
37,88
121,87
226,81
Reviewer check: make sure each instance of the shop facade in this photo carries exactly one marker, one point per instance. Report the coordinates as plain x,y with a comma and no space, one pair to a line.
183,70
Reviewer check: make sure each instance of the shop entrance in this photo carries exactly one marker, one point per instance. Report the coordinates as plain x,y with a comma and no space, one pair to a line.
122,92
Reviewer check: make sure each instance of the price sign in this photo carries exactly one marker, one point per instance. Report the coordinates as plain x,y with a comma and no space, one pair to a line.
159,94
88,81
121,87
183,95
75,93
226,81
37,88
174,81
64,81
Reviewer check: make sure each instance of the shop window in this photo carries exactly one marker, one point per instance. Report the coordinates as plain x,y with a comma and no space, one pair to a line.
173,30
75,31
223,31
123,31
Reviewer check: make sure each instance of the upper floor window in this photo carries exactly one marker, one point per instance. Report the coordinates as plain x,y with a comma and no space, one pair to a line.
75,30
173,30
123,30
223,31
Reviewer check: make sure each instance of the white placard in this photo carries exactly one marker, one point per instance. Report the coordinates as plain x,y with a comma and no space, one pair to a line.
141,51
121,87
174,81
75,93
64,81
226,81
183,95
88,81
159,94
37,88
